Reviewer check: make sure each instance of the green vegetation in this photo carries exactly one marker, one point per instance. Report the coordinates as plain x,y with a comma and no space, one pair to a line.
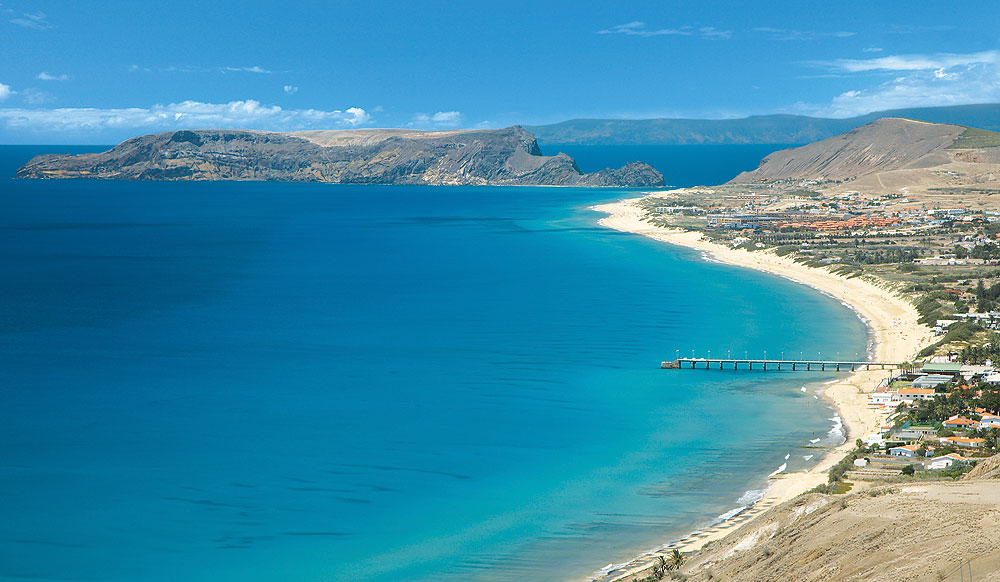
835,481
880,491
957,332
989,350
664,565
973,138
841,487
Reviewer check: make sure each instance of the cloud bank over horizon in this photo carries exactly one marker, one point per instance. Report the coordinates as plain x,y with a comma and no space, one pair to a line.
119,123
920,80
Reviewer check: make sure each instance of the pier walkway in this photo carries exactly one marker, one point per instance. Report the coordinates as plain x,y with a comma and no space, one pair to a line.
794,365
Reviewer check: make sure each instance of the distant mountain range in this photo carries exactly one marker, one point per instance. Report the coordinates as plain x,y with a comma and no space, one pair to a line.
758,129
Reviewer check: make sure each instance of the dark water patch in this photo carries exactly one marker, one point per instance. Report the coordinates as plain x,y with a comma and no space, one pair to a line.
411,470
53,543
326,534
203,502
88,226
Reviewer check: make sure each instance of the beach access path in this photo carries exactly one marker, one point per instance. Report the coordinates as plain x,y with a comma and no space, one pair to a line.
890,318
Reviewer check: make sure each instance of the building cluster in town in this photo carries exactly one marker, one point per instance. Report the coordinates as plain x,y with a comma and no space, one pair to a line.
935,444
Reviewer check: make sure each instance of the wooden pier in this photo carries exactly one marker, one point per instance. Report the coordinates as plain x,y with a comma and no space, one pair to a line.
793,365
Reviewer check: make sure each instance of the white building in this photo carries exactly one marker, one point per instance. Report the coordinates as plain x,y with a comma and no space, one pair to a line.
908,451
945,461
989,421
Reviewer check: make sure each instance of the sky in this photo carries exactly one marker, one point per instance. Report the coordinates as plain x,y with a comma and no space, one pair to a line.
98,72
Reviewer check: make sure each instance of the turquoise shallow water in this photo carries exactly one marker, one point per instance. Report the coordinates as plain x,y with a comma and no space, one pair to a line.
264,381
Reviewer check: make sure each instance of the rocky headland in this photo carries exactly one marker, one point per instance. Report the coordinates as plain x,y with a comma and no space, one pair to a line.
502,157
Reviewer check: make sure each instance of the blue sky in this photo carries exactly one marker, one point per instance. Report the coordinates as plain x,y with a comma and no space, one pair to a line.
97,72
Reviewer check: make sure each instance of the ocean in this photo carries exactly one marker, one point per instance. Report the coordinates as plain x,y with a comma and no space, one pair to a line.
268,381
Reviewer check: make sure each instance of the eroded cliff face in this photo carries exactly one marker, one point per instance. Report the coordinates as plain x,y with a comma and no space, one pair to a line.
508,157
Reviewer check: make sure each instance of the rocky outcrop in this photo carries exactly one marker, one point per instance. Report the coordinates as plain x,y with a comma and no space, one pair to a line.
509,157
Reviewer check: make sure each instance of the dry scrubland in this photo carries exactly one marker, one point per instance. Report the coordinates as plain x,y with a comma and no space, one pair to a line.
892,533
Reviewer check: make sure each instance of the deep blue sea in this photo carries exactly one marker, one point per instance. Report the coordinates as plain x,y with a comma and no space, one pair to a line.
305,382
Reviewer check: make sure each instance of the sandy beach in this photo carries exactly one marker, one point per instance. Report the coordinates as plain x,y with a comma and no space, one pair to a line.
892,323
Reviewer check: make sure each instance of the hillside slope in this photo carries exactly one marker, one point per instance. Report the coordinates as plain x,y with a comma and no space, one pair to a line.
882,146
912,533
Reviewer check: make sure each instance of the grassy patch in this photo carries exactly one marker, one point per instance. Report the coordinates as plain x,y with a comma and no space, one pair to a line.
841,487
973,138
878,492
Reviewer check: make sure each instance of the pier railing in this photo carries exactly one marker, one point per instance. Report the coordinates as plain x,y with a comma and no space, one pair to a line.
762,364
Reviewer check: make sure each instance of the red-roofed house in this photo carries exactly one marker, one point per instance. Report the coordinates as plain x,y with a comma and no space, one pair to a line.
958,421
976,443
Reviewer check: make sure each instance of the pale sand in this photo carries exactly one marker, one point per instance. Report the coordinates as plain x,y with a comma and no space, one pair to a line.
891,319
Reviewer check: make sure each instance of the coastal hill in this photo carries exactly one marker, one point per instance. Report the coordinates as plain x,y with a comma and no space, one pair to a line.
757,129
509,157
918,531
890,155
884,145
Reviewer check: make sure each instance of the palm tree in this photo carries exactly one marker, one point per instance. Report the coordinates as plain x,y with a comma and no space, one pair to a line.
676,559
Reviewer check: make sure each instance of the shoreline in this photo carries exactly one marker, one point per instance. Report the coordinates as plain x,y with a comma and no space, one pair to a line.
893,334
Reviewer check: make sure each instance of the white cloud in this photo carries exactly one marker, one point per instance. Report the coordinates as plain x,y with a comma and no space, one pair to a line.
914,62
638,28
37,96
248,114
960,84
201,69
291,89
872,49
43,76
35,20
918,29
5,91
253,69
788,34
441,119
